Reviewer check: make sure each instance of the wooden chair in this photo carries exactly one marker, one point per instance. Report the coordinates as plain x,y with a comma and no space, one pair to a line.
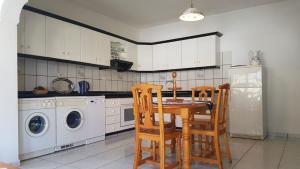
201,93
146,129
219,128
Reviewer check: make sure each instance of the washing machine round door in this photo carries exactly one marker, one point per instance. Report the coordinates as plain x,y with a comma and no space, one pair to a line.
74,119
36,124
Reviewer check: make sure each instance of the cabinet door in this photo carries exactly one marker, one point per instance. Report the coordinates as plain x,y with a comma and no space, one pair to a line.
132,54
189,53
89,46
173,55
160,61
35,33
104,49
144,57
208,51
21,33
72,40
55,38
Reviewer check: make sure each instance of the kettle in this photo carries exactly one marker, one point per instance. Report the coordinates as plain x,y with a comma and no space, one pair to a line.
84,87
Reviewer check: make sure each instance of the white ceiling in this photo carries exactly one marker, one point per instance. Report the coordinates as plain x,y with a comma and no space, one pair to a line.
146,13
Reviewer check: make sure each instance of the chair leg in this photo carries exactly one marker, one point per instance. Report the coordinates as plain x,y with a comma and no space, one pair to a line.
138,153
153,153
227,147
173,145
178,153
218,151
162,154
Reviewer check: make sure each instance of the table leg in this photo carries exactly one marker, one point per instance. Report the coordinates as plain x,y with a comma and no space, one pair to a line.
186,138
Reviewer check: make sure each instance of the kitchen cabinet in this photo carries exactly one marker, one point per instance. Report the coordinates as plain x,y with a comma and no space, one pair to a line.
189,53
104,45
62,40
31,34
132,54
160,60
144,57
208,51
173,55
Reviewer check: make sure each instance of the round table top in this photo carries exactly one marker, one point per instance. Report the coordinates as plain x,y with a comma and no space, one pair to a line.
184,104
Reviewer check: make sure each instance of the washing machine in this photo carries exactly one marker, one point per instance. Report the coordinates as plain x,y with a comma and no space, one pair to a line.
37,129
71,122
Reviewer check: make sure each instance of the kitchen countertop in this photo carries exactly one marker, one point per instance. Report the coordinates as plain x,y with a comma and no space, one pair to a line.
107,94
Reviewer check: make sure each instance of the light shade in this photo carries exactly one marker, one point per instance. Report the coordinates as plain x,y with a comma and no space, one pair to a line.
191,14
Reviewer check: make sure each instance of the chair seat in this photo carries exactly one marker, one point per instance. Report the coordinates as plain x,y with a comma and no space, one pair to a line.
155,133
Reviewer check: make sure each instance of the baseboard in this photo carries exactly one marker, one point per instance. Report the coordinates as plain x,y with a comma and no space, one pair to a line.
277,135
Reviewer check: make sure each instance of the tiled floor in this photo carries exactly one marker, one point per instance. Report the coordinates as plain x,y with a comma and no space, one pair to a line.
118,153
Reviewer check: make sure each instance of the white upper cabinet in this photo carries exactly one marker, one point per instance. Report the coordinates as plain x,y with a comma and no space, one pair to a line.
62,40
160,57
189,53
104,46
72,41
208,51
144,57
173,55
55,38
89,46
132,54
31,33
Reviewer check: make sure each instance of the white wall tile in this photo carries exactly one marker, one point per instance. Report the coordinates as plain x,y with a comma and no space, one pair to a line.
30,82
102,85
42,67
114,75
163,76
21,66
191,75
184,85
62,69
114,85
129,85
208,82
200,83
96,73
218,73
155,76
72,70
225,81
137,77
90,81
80,71
50,79
42,81
184,75
52,68
21,83
88,72
96,85
102,74
108,85
143,77
30,66
217,82
120,85
209,74
130,76
108,74
150,77
191,84
73,79
200,74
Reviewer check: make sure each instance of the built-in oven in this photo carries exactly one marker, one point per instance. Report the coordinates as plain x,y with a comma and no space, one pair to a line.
127,116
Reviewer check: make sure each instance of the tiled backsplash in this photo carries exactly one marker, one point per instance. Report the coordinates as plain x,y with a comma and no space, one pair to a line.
34,72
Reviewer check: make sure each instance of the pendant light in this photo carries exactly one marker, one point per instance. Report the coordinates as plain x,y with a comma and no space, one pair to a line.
191,14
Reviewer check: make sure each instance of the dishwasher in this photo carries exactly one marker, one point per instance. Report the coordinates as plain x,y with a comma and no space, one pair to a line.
95,111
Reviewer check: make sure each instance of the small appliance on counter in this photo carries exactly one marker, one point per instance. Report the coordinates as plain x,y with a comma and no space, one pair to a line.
84,87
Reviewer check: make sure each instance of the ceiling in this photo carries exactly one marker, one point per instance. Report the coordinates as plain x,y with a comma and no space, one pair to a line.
146,13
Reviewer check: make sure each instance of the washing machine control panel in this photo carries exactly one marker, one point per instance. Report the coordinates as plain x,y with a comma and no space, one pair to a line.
32,104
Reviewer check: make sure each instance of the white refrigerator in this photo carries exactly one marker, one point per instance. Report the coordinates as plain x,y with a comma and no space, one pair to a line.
247,115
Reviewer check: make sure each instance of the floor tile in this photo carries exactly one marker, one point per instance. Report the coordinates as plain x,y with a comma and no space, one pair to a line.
38,164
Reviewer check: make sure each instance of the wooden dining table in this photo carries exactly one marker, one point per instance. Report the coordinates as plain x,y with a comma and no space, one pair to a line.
184,110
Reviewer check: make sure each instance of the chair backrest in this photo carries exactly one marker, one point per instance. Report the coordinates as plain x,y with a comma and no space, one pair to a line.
203,93
143,107
220,121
